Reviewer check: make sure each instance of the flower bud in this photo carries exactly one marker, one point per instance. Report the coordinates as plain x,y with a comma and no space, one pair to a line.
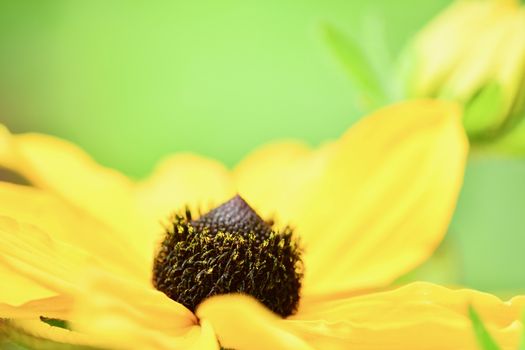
473,53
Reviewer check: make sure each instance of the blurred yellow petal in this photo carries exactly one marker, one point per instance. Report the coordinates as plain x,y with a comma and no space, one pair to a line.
63,168
123,314
33,254
206,339
45,333
475,69
58,307
133,211
265,176
379,199
68,224
179,181
17,289
496,56
473,53
443,43
184,179
242,323
417,316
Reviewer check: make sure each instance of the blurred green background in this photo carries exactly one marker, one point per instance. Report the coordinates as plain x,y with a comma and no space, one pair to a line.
132,81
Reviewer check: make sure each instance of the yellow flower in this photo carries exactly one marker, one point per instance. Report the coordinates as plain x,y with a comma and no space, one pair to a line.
80,245
474,53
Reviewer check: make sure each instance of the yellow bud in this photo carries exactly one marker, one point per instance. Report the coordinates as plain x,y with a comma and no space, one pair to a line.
473,53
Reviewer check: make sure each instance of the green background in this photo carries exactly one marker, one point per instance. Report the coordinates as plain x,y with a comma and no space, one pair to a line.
133,81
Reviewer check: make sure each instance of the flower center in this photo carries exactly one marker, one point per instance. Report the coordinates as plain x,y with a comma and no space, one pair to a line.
229,250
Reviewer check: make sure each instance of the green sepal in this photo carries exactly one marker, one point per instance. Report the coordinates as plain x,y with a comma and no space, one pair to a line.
485,340
512,141
484,113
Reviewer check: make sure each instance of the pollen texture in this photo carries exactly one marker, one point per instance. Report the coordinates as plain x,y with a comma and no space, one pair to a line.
229,250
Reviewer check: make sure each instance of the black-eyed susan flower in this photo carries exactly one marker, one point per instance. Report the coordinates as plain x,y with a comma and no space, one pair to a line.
474,53
291,263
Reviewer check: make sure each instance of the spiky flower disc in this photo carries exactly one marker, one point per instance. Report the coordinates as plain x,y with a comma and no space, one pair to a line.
229,250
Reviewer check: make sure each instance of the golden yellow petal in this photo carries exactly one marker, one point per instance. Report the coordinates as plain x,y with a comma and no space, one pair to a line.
379,199
392,189
39,329
495,56
441,45
17,289
66,223
132,211
206,338
58,307
28,251
63,168
263,178
242,323
477,65
179,181
123,314
416,316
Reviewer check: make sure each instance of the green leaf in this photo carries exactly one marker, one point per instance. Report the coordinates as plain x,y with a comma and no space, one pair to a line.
485,340
357,65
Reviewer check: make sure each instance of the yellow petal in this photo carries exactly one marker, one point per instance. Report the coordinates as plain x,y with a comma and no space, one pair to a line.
206,339
417,316
495,56
379,199
41,330
66,223
63,168
265,176
478,65
31,253
179,181
123,314
441,45
132,211
58,307
17,289
244,324
393,186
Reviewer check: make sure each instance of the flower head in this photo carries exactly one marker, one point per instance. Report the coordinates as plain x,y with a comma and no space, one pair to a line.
229,250
84,244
